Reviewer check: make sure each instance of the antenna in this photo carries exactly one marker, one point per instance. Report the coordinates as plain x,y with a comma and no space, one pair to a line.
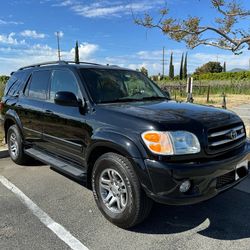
58,45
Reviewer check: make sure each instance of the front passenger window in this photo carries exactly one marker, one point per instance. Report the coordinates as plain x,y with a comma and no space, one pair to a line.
63,81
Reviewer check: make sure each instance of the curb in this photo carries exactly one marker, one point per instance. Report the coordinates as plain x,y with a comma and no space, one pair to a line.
4,153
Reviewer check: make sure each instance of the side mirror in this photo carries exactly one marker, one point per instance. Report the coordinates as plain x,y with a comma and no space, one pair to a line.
65,98
166,93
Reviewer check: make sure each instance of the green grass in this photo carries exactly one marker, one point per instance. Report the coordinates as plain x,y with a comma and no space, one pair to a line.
1,137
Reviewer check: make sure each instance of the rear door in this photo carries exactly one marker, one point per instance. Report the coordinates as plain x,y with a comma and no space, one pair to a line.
31,106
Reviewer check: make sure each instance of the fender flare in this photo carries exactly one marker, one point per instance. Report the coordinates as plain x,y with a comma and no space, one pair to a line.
115,141
125,146
13,116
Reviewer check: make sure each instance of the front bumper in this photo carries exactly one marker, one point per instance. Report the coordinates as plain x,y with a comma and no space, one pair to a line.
207,179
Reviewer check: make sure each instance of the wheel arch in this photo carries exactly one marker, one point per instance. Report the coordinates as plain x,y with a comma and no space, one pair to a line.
11,118
105,142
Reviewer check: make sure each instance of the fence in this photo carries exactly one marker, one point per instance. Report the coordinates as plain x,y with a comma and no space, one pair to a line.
200,89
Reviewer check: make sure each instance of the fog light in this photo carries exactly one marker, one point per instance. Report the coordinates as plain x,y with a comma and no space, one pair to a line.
185,186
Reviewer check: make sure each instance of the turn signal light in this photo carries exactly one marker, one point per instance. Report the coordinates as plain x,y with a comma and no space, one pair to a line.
158,142
153,137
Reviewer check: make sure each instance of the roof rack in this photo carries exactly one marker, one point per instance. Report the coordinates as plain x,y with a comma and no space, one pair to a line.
113,65
43,64
55,62
68,62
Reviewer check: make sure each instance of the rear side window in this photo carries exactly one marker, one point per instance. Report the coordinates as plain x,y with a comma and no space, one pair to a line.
15,83
10,84
38,84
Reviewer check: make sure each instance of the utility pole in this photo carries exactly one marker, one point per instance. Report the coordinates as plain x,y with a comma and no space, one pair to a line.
163,61
58,46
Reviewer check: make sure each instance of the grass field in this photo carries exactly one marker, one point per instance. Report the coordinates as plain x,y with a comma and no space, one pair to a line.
1,137
216,100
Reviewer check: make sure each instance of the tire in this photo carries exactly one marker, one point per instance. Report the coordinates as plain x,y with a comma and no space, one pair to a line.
113,177
15,145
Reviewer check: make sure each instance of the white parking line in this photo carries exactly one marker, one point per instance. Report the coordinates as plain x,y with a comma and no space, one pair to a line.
59,230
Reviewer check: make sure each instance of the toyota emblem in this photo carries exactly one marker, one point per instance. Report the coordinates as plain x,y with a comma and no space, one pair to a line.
233,134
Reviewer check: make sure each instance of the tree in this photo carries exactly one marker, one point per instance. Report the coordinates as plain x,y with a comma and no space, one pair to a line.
171,67
185,67
77,60
192,32
181,68
224,67
210,67
3,80
144,71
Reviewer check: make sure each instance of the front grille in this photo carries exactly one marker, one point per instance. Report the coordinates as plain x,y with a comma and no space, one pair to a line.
225,138
225,179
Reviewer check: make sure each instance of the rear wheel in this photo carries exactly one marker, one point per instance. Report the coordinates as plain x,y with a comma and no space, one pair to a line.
117,191
15,145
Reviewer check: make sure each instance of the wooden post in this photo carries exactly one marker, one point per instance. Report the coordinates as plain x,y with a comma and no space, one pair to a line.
208,93
224,102
189,89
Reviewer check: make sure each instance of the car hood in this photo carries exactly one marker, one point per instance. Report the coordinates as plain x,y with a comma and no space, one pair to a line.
171,112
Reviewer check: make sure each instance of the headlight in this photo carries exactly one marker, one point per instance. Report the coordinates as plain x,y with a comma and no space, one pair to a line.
171,143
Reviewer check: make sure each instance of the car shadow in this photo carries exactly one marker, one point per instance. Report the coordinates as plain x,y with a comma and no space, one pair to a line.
226,217
33,163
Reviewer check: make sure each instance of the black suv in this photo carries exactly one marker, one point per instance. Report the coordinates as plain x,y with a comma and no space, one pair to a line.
114,129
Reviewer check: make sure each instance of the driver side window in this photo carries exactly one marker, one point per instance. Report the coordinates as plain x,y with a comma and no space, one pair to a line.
63,80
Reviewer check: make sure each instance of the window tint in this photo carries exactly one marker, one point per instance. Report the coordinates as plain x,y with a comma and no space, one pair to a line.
38,84
107,85
63,81
10,84
15,83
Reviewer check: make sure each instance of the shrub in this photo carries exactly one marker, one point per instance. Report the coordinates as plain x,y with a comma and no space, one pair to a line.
3,80
232,76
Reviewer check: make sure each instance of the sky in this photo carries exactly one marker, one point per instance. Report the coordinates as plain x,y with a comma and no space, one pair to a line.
106,33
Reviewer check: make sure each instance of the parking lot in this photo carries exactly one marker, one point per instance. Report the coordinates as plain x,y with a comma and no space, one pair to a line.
223,222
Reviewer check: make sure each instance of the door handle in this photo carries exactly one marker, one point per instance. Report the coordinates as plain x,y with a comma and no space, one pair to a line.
49,112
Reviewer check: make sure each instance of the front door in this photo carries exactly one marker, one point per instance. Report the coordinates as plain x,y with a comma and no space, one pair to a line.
64,126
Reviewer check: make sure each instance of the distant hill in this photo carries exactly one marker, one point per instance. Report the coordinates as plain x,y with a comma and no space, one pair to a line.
237,70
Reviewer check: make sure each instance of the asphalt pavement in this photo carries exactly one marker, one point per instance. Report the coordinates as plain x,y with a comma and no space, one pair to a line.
220,223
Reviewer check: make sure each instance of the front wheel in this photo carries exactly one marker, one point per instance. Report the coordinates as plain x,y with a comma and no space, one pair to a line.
15,145
117,191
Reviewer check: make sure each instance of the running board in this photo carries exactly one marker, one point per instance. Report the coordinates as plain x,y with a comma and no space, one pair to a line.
57,164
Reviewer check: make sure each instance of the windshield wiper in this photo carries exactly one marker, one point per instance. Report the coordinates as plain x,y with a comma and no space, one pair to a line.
122,100
136,99
155,98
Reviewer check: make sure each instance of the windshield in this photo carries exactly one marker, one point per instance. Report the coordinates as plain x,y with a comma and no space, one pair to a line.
114,85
